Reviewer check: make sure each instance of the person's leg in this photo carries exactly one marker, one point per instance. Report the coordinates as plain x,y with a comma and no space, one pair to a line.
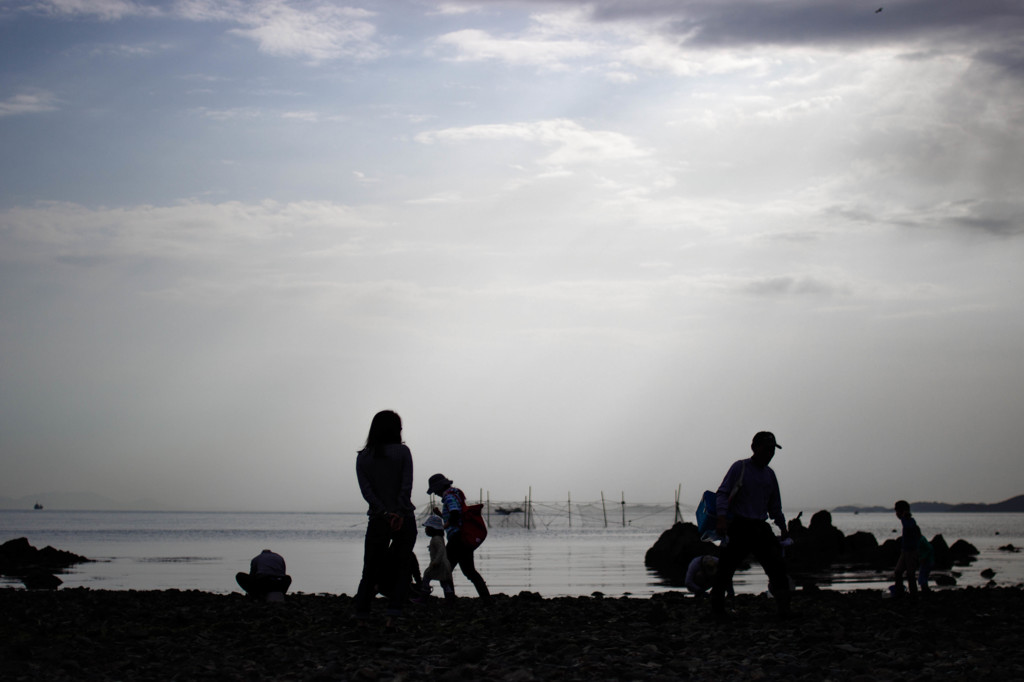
912,574
922,576
731,555
274,583
400,552
768,553
901,567
469,570
375,548
461,556
244,581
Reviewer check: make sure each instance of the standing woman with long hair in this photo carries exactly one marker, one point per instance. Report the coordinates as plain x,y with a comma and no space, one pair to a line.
384,471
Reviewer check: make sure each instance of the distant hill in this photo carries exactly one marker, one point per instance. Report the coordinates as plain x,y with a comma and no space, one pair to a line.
1014,504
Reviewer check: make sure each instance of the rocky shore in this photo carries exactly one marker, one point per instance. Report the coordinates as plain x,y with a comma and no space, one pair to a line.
79,634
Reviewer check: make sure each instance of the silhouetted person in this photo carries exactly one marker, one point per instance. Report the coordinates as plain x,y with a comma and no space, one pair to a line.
267,576
909,548
453,506
700,575
384,471
750,494
440,569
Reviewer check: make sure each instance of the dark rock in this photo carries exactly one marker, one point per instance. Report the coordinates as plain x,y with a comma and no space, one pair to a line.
1009,548
19,558
675,548
963,552
861,547
943,559
943,579
38,579
988,573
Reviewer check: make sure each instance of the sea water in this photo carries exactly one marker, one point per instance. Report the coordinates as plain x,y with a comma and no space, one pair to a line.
594,550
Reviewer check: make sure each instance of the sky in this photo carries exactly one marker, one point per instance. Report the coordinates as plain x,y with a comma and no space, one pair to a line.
580,247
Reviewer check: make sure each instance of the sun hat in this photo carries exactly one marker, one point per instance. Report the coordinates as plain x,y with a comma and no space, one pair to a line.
437,484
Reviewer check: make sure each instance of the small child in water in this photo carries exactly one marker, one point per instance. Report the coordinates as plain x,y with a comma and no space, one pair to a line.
439,569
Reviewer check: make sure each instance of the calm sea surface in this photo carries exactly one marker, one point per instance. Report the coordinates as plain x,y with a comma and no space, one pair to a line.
559,556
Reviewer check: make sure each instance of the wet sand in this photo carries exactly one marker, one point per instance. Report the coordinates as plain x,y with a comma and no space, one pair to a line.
81,634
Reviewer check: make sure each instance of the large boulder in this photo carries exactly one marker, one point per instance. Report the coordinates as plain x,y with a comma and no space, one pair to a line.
675,548
38,579
861,547
962,553
19,558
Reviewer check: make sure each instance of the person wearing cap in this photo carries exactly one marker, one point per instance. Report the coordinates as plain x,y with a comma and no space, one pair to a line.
453,503
749,495
384,472
439,569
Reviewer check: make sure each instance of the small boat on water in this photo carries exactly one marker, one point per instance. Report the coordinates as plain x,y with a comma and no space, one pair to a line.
37,506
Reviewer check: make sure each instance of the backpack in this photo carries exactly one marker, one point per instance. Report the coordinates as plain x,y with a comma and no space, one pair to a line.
473,530
707,509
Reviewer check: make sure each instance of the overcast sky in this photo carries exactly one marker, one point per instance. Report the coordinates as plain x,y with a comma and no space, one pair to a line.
578,246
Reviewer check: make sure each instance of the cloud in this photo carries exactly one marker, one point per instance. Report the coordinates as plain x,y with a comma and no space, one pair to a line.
791,286
106,10
319,33
574,143
316,31
477,45
712,24
28,103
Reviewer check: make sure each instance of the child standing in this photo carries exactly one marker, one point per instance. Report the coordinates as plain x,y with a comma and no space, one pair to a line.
439,569
909,547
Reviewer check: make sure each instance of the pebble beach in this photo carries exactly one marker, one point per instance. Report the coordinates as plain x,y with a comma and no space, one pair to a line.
78,634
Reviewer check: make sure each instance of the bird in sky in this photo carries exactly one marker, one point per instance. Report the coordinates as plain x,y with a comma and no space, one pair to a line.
879,10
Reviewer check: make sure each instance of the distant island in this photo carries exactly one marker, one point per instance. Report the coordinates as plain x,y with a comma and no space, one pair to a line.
1014,504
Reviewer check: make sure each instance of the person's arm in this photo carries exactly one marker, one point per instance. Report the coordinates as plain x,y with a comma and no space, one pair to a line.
724,493
723,498
775,507
365,486
406,494
452,511
691,576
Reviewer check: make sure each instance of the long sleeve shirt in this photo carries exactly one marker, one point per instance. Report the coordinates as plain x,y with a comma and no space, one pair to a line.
453,501
385,479
756,498
911,534
267,563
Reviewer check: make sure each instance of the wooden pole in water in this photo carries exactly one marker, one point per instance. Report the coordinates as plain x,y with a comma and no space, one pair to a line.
604,510
570,508
489,507
623,509
529,508
679,514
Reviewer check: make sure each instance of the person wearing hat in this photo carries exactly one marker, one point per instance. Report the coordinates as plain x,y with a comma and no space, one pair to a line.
439,569
453,503
384,472
749,494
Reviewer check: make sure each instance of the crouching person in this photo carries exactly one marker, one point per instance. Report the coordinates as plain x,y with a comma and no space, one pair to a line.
267,579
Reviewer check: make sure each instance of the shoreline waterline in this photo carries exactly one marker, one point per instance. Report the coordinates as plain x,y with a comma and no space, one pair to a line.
194,550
